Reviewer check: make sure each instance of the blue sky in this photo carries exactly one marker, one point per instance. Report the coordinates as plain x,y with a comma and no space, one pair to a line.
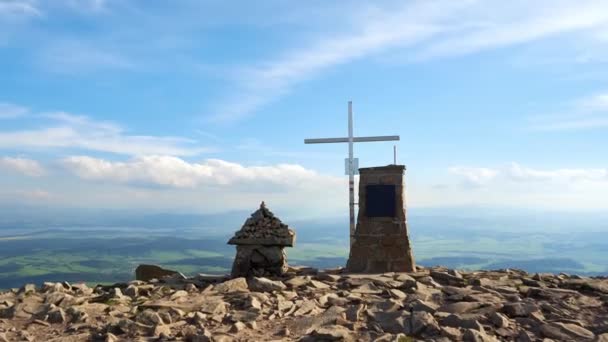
203,106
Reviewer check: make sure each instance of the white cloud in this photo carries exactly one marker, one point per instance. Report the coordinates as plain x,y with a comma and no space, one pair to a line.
175,172
22,165
87,5
596,102
81,132
36,194
519,186
75,57
427,29
9,110
520,173
13,8
516,172
495,25
263,83
590,112
476,176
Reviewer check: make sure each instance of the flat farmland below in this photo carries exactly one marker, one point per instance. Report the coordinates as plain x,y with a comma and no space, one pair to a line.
111,254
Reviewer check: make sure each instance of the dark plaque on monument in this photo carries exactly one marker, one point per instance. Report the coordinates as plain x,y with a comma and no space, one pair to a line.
380,200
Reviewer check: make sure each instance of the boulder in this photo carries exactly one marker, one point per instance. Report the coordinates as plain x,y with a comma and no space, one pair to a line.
262,284
149,272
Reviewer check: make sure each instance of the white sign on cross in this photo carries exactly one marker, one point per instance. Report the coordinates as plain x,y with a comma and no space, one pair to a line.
351,174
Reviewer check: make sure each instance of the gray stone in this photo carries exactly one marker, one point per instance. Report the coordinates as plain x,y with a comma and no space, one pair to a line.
131,291
601,338
422,321
392,322
398,294
455,321
232,285
238,327
57,316
149,272
460,307
332,333
421,305
28,288
471,335
262,284
499,320
519,309
565,331
213,306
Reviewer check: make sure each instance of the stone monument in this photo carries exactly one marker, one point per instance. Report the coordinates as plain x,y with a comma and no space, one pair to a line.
260,245
381,242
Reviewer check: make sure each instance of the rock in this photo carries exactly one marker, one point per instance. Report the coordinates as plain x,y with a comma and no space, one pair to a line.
499,320
162,331
265,285
601,338
460,307
392,322
307,307
28,288
331,333
318,285
232,285
422,321
398,294
451,333
57,316
446,278
149,317
524,336
519,309
213,306
455,321
565,331
367,288
39,322
353,313
131,291
297,281
238,327
471,335
421,305
77,314
149,272
407,280
111,338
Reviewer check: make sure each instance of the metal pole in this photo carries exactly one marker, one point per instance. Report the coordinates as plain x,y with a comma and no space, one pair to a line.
351,176
394,154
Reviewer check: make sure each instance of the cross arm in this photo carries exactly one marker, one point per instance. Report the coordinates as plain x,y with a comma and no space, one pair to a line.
355,139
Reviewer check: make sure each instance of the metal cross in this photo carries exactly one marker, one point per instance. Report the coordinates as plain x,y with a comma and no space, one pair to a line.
351,172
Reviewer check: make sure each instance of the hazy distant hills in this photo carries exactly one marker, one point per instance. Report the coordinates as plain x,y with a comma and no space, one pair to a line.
38,244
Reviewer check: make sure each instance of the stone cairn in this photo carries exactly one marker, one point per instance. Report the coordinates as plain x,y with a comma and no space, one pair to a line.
260,245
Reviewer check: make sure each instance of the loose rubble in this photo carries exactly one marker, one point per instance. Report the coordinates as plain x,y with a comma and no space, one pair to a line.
431,304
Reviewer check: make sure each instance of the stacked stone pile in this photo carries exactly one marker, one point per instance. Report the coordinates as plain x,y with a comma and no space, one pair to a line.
260,245
264,228
430,304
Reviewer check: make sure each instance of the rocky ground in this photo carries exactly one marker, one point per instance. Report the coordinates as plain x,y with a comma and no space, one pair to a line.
433,304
